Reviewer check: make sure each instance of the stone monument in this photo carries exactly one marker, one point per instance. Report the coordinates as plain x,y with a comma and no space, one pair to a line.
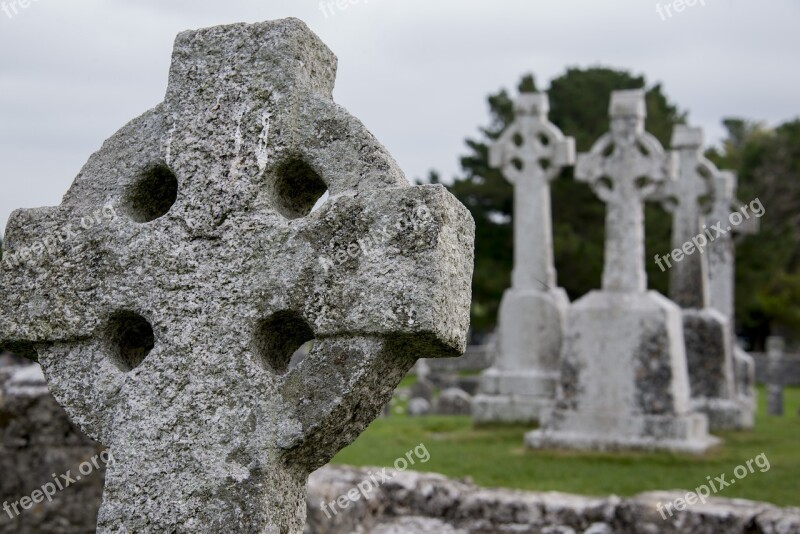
775,348
531,153
166,332
707,332
722,274
624,383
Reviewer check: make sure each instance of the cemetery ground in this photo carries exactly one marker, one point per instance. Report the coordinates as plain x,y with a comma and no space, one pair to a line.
494,456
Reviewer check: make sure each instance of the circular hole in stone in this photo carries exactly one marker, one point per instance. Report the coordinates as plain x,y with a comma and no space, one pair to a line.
151,195
518,164
518,139
279,338
544,140
131,338
297,188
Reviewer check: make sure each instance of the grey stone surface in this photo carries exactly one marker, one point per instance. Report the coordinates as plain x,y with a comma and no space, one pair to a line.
166,331
530,153
429,501
453,401
624,382
36,441
709,347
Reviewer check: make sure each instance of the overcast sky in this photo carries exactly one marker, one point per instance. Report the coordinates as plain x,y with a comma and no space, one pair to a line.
416,72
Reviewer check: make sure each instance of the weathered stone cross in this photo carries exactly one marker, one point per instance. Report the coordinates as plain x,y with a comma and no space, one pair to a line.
531,153
689,198
625,168
522,380
166,333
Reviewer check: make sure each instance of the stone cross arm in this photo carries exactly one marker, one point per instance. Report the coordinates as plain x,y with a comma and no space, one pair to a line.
166,295
531,145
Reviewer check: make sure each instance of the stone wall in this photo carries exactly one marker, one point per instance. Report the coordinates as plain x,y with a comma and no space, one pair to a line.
422,503
37,441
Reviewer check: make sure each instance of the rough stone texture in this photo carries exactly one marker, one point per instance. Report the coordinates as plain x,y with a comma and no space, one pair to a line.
431,503
624,382
531,153
453,401
709,347
721,270
166,331
37,440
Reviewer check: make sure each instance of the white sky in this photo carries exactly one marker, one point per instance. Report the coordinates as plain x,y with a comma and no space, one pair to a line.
416,72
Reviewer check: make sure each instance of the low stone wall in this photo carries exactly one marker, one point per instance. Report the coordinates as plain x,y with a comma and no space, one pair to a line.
37,442
430,503
789,370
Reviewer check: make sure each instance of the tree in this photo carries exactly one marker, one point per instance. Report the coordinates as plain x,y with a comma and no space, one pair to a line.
768,264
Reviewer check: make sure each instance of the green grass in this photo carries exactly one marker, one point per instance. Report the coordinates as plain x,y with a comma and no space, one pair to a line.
495,457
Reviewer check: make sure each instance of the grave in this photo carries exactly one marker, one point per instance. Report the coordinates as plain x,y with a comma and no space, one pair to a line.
775,348
707,332
722,274
166,332
624,383
531,153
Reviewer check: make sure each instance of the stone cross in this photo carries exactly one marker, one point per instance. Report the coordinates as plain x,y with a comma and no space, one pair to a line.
625,167
722,250
531,153
522,380
166,332
688,199
722,274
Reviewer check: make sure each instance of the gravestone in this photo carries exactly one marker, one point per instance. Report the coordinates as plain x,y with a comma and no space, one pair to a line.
707,332
722,274
775,347
531,153
166,332
624,383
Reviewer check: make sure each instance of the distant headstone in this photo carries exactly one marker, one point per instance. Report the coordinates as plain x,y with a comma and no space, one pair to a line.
423,389
453,401
775,348
624,383
418,406
530,153
707,332
166,333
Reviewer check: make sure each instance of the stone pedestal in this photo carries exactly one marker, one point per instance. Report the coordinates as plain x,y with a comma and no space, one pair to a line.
624,381
531,323
711,371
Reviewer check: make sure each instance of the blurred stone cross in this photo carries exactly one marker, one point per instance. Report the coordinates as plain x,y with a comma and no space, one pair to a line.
623,380
167,333
530,153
